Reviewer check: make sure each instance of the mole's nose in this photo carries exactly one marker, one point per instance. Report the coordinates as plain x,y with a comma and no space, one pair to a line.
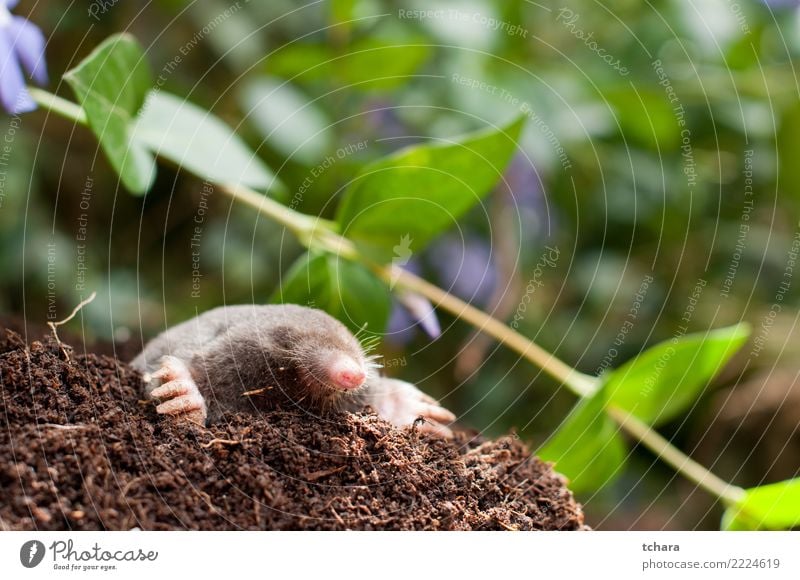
346,374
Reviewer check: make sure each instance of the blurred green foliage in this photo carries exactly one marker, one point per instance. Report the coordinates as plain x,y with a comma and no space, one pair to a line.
768,507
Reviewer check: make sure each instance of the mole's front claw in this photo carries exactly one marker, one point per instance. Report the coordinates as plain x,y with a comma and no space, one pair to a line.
191,407
404,404
179,392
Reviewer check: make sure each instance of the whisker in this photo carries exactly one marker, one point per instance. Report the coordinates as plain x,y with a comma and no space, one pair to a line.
368,347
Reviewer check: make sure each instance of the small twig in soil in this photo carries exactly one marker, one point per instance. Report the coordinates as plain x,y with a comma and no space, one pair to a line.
418,422
509,528
256,392
257,512
65,427
338,517
517,488
54,325
129,485
314,476
209,503
225,442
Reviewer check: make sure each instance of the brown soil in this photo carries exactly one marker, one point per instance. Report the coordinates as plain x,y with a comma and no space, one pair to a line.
80,450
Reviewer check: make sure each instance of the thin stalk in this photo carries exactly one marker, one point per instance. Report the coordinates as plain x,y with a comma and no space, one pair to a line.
682,463
579,383
300,224
57,105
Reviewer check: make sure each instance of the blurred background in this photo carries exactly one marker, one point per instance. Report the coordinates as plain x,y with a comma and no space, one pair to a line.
655,193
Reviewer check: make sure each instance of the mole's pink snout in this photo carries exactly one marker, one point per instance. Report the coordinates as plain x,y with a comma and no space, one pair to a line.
345,373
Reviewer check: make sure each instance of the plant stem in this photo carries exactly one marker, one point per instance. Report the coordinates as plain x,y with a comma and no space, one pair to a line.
682,463
300,224
57,105
579,383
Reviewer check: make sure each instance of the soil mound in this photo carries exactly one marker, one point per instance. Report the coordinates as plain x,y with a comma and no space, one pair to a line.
80,450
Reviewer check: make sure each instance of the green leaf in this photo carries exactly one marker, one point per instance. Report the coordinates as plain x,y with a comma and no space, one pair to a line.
644,115
300,61
660,383
288,121
376,64
587,448
788,144
345,290
773,507
421,191
342,12
111,84
371,64
195,139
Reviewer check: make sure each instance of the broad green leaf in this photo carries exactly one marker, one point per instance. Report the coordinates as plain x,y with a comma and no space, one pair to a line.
645,115
370,64
300,62
380,64
342,10
665,380
773,507
344,289
587,448
788,142
341,15
111,84
419,192
195,139
289,122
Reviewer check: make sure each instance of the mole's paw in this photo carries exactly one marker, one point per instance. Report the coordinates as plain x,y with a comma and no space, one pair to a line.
404,404
178,391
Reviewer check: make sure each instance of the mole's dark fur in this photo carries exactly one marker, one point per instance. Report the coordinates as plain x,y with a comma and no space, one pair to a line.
261,357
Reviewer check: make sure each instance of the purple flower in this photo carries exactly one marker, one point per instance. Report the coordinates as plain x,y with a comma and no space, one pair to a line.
402,326
409,311
20,43
422,310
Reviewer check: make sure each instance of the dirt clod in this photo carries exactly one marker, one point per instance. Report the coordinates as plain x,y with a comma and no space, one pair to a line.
80,450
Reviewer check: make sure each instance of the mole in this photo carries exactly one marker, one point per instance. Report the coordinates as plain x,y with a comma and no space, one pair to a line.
262,357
